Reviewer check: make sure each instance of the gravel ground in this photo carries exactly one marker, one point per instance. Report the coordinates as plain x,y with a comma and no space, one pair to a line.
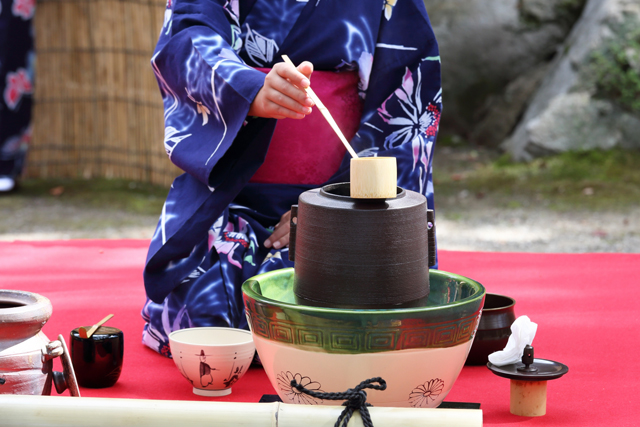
520,230
49,219
471,225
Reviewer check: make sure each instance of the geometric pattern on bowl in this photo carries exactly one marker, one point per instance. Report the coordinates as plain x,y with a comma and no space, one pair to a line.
418,351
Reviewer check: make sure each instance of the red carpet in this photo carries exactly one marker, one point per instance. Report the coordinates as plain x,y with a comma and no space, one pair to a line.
585,305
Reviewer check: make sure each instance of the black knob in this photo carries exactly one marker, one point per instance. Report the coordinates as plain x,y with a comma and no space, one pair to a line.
527,359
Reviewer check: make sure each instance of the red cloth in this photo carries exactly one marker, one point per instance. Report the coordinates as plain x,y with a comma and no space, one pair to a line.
88,279
585,306
308,151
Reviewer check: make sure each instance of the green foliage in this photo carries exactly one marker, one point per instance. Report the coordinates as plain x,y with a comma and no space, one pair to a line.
445,140
615,68
593,179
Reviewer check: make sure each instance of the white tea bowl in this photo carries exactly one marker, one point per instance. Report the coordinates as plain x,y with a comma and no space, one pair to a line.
212,359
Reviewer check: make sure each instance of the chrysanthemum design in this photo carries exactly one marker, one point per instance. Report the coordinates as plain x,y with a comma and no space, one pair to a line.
295,396
420,395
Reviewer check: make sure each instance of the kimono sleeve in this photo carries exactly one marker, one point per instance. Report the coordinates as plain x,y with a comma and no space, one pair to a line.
206,88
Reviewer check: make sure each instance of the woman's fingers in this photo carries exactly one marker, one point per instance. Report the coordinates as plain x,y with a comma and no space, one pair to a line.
283,94
283,97
281,110
264,106
293,75
305,68
290,83
280,236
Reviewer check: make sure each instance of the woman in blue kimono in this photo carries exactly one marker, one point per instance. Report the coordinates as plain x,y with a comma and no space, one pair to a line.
238,122
16,87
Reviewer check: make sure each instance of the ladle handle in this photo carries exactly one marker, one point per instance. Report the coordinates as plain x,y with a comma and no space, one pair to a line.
431,236
327,115
293,222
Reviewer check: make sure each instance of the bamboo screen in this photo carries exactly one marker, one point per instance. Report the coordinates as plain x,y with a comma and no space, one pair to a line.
98,110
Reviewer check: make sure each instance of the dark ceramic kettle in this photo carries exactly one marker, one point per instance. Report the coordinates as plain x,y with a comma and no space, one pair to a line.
361,253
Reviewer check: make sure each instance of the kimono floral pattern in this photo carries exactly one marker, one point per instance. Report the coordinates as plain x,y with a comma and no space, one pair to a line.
417,124
17,84
17,60
211,230
418,119
17,144
388,8
24,8
260,49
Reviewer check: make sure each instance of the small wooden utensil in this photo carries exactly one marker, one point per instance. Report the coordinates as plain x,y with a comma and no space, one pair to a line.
371,177
326,114
374,178
84,333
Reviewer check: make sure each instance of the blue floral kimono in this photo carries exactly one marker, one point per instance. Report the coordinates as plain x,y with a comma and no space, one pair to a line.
16,84
210,235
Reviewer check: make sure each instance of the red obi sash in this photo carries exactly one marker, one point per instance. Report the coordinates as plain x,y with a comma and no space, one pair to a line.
308,151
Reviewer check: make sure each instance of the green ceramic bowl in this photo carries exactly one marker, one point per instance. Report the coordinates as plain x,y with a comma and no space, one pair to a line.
418,351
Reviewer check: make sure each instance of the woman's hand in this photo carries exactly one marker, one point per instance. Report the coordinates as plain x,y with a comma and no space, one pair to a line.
280,236
283,95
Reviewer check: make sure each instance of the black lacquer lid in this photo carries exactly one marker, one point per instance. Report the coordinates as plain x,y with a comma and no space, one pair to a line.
530,369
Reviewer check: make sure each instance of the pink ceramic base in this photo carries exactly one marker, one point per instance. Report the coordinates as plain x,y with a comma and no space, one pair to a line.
418,378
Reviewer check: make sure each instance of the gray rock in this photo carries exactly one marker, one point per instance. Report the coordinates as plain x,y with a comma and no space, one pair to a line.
540,10
576,121
568,112
501,112
485,46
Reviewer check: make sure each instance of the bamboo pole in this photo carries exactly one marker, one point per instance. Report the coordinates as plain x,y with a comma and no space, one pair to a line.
64,411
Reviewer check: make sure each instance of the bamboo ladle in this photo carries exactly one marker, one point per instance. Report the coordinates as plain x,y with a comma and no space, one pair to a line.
325,113
84,333
371,177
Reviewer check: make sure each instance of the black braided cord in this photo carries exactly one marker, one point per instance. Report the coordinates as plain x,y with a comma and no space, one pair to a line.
355,399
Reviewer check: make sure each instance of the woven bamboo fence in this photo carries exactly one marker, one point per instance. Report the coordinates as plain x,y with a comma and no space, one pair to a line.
98,110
